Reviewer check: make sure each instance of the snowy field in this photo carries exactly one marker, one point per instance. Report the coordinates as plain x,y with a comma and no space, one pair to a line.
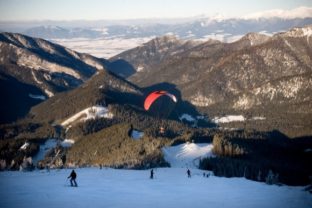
102,47
110,188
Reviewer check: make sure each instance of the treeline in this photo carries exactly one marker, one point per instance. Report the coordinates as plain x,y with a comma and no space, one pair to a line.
137,118
273,158
293,120
26,130
112,147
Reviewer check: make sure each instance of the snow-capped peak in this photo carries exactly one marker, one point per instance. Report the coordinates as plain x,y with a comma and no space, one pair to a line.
300,12
299,32
255,38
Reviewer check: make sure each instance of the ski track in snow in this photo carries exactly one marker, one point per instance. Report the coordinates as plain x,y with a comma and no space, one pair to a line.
133,189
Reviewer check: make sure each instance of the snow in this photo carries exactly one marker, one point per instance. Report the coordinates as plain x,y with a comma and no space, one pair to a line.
300,12
47,76
35,78
43,150
243,102
104,30
67,143
140,68
135,134
49,93
288,44
201,117
39,97
234,38
258,118
187,154
307,31
187,117
221,37
171,188
89,113
24,146
200,100
35,62
264,32
102,47
228,119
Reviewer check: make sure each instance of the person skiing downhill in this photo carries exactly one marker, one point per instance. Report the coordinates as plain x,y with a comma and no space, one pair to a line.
73,177
188,173
152,174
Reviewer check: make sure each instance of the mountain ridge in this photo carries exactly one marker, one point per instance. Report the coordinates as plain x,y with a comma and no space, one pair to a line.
241,76
49,68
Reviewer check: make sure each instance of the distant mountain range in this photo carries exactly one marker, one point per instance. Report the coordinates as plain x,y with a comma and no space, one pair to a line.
105,39
227,30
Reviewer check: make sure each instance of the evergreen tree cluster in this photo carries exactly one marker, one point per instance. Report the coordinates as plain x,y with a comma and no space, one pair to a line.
270,158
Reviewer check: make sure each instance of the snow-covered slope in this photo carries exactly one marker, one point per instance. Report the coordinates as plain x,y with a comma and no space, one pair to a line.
135,134
47,146
228,119
133,189
187,154
88,113
43,150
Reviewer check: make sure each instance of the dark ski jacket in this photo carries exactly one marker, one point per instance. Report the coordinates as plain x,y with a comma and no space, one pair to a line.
72,175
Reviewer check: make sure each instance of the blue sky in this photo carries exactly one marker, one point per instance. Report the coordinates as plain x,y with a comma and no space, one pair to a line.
133,9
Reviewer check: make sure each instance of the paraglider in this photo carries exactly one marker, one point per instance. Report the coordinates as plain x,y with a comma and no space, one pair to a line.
160,103
152,97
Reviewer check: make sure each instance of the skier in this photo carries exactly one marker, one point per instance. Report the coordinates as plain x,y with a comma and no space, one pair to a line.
188,173
152,174
72,177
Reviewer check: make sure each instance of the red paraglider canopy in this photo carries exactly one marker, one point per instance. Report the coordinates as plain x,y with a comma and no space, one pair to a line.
154,96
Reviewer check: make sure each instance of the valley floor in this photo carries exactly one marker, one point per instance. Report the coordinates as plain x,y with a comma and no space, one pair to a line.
132,188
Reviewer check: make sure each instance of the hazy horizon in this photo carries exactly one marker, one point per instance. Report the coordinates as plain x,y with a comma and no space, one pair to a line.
92,10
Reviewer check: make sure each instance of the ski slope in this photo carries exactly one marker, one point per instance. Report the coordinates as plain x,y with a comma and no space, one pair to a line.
110,188
186,155
87,114
136,135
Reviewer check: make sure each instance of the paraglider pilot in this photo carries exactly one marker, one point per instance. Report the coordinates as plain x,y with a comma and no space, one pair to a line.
73,177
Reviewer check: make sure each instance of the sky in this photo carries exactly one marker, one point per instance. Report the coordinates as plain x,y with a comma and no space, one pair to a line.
26,10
